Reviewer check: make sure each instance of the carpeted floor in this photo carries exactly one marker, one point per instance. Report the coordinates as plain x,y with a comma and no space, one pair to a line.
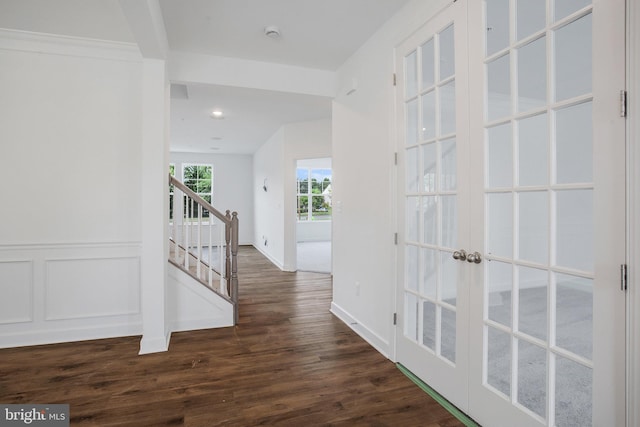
573,381
314,256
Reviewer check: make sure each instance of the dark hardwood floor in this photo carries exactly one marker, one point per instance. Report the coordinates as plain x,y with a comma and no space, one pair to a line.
289,362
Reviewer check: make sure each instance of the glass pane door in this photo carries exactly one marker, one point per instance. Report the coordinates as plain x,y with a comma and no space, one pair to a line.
539,214
431,83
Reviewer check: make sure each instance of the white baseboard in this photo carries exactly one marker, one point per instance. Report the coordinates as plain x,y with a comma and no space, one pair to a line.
154,344
275,262
367,334
197,324
52,336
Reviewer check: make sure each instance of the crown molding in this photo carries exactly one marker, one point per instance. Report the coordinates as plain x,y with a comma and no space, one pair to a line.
53,44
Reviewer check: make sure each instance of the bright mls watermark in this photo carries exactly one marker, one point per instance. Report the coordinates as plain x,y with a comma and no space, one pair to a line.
34,415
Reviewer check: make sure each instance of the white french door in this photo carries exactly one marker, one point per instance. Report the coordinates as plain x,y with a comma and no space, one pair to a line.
433,158
513,212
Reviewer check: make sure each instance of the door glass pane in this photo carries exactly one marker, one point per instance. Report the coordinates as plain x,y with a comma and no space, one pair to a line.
532,75
499,284
430,163
531,17
429,324
427,64
499,161
533,227
430,272
448,108
574,228
448,161
573,59
499,360
411,316
413,267
411,74
449,222
412,122
574,314
532,377
533,285
430,222
497,25
449,290
533,168
413,217
565,8
412,161
447,56
574,144
499,90
573,393
428,115
448,335
500,224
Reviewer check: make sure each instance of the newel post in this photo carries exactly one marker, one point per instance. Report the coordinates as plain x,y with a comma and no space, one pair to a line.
227,264
234,263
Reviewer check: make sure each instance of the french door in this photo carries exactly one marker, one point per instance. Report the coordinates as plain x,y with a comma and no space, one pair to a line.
511,204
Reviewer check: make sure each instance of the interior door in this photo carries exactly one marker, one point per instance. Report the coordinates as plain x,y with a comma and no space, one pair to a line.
432,162
538,209
547,335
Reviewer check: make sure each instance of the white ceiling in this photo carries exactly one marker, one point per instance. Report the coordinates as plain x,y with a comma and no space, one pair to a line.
319,34
251,116
315,33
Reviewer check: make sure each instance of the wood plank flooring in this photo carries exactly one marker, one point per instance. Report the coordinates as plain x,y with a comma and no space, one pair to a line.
289,362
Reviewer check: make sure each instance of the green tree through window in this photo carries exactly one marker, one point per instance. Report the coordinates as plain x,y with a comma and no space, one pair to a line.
318,193
199,179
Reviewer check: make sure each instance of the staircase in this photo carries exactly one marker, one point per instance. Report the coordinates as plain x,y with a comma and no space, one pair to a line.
203,243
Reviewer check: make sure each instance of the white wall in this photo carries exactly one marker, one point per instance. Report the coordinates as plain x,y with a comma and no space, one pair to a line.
191,306
268,164
363,172
275,209
71,212
232,185
304,140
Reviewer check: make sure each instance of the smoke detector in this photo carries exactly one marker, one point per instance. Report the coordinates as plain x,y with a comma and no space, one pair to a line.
272,32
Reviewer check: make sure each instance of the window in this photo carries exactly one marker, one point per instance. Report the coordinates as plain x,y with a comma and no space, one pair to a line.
199,179
313,187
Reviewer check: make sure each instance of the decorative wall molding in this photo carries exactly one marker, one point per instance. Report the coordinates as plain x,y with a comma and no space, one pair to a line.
69,292
53,44
16,288
84,287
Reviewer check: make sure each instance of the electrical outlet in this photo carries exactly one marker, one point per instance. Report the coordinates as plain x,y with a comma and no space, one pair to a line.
357,289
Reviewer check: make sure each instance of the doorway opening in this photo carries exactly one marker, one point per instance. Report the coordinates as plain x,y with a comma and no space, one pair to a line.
313,215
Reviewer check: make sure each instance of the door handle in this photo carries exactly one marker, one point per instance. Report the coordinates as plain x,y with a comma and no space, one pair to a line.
474,257
460,255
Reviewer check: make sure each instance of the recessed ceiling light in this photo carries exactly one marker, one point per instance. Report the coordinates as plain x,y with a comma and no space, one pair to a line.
217,114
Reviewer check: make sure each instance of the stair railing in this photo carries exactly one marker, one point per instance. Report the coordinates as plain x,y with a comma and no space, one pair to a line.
199,234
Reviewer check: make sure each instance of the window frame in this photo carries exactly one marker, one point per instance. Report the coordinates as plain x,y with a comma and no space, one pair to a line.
310,214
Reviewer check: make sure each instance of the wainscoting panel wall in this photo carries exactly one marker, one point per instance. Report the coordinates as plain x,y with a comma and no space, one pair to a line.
16,286
68,292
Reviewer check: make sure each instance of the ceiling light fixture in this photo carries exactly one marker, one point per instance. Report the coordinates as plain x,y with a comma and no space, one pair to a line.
217,114
272,32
